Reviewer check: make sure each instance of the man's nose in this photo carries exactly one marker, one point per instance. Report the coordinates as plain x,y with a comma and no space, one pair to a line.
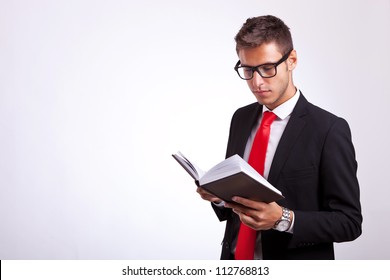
257,80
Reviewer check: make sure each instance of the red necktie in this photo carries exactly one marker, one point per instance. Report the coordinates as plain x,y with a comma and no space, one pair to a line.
247,237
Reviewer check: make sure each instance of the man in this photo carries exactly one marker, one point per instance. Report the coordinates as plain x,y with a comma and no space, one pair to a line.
309,157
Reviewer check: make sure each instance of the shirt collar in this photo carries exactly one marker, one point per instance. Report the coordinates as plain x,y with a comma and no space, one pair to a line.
285,109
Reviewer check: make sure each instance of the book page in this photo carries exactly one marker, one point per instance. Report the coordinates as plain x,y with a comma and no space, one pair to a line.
190,167
231,166
223,169
247,168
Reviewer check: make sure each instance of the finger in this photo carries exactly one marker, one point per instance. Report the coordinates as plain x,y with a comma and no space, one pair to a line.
239,212
204,192
248,220
233,205
248,203
253,221
237,207
200,190
249,214
208,196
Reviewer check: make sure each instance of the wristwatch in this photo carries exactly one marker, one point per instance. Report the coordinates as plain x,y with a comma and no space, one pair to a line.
284,222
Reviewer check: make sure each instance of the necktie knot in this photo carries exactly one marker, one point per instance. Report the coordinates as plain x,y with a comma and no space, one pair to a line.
268,118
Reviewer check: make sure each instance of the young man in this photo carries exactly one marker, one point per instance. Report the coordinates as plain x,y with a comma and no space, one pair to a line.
308,156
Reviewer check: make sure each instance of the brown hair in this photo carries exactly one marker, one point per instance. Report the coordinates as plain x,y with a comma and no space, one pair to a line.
264,29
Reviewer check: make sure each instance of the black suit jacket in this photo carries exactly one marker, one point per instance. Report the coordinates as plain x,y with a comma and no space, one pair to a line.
315,168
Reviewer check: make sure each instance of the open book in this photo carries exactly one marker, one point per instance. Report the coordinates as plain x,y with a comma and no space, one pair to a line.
231,177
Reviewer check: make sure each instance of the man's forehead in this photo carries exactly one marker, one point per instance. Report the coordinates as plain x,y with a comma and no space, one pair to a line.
265,53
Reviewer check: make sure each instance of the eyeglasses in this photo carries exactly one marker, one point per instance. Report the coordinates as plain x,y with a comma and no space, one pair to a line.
267,70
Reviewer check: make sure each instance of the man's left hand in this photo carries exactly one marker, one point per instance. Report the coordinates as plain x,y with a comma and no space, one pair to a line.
254,214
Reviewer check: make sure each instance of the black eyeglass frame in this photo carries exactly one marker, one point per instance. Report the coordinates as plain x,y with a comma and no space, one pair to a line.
255,68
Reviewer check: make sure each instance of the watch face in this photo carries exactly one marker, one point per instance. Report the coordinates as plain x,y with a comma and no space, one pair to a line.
283,225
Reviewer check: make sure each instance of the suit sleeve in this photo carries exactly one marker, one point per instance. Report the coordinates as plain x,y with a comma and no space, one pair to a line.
339,218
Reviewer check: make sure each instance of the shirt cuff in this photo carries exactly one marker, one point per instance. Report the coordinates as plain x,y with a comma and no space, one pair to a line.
291,229
220,204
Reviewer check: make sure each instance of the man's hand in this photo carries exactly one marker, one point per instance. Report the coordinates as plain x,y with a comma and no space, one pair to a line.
254,214
208,196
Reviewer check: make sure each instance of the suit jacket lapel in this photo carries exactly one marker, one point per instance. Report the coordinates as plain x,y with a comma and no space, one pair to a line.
288,139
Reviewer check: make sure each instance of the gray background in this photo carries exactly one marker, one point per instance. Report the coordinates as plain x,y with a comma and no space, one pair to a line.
95,96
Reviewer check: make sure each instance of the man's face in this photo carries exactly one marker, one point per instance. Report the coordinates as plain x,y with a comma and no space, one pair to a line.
274,91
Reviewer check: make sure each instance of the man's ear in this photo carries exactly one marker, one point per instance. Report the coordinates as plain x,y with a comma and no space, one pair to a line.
292,60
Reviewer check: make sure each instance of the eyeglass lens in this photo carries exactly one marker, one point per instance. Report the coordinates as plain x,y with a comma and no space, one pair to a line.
265,71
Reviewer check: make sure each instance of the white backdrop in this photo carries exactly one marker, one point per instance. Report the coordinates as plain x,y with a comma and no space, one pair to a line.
96,95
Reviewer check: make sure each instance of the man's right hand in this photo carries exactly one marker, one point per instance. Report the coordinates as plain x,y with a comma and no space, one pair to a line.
208,196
